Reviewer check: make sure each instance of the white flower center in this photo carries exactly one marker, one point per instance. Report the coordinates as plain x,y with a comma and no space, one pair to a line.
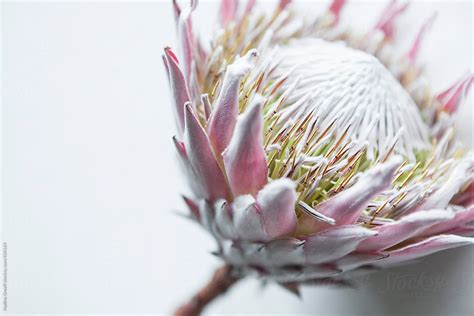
352,89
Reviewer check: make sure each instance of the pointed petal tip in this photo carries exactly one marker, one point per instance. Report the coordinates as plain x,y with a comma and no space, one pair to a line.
176,7
224,117
255,108
292,288
189,108
178,85
453,97
170,54
455,239
244,64
425,27
425,247
179,146
189,114
388,17
192,206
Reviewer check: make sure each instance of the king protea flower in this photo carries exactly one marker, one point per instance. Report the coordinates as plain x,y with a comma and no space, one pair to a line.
315,153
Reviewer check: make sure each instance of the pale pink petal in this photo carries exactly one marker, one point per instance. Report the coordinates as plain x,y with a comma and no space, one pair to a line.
179,88
244,159
425,247
335,8
453,97
202,159
346,207
407,227
224,117
276,204
387,19
176,11
460,218
180,148
248,220
228,10
187,41
415,47
193,207
271,215
334,243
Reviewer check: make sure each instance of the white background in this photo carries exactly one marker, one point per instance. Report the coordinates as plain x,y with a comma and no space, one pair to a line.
90,180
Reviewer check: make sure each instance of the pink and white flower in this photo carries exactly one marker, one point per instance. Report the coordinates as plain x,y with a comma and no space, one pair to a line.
315,152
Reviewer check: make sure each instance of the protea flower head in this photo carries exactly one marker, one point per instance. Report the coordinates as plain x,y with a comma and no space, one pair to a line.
315,152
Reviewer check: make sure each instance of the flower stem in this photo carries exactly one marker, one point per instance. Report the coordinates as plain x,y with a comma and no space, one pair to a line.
221,281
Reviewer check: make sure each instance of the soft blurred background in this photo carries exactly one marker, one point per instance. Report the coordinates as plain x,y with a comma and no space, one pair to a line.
91,183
